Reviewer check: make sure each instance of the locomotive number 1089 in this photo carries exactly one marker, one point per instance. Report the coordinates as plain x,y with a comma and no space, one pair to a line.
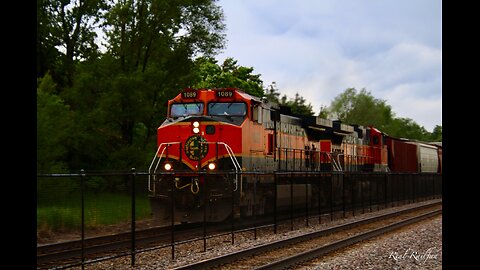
189,94
224,94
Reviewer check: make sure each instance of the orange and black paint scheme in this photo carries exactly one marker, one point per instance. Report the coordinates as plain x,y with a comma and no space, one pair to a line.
228,130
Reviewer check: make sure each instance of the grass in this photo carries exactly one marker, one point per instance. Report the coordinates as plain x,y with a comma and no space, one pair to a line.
100,209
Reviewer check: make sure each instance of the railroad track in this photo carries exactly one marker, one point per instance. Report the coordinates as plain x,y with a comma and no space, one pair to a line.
67,254
299,249
112,246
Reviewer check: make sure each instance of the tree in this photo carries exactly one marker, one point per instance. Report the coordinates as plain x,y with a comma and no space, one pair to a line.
211,75
118,97
54,128
66,33
361,108
436,135
146,31
47,53
324,112
298,106
152,44
272,93
407,128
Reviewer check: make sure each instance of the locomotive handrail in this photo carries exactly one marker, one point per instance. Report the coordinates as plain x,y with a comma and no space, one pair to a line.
339,164
234,160
334,162
158,163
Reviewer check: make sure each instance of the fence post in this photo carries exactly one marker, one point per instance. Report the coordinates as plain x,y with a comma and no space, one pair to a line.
133,217
291,201
172,214
82,195
306,198
254,207
331,197
353,191
343,193
205,201
433,186
385,190
360,180
370,191
275,202
320,199
411,197
392,188
233,214
378,192
415,187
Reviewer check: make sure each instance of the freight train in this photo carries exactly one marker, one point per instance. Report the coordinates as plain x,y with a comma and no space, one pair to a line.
208,131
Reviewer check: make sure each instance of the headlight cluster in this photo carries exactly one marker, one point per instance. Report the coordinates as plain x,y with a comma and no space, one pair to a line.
196,127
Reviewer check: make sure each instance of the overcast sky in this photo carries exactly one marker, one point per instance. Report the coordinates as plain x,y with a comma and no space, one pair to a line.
319,48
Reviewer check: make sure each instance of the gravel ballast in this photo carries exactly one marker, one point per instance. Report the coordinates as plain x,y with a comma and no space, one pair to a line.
418,246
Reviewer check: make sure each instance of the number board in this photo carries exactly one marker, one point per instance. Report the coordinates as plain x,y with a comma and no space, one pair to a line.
224,94
190,94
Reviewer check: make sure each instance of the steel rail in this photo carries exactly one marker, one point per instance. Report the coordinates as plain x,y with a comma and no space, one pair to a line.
321,251
228,258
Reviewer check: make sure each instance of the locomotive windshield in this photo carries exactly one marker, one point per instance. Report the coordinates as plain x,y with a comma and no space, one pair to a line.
227,108
185,109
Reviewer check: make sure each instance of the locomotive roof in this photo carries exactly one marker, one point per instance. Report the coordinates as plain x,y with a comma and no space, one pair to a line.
245,95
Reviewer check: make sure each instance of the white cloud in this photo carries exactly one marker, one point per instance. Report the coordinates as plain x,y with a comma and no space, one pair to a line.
426,111
320,48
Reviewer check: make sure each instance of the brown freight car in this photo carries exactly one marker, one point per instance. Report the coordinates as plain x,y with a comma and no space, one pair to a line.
410,156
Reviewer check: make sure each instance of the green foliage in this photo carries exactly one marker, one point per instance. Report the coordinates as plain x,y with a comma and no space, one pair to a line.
363,109
324,112
272,93
436,135
297,105
54,128
101,110
211,75
407,128
144,32
66,34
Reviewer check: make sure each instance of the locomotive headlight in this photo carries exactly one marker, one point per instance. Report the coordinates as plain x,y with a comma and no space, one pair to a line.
211,166
167,166
196,127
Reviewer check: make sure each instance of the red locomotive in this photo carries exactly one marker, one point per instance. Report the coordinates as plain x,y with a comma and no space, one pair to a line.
228,130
